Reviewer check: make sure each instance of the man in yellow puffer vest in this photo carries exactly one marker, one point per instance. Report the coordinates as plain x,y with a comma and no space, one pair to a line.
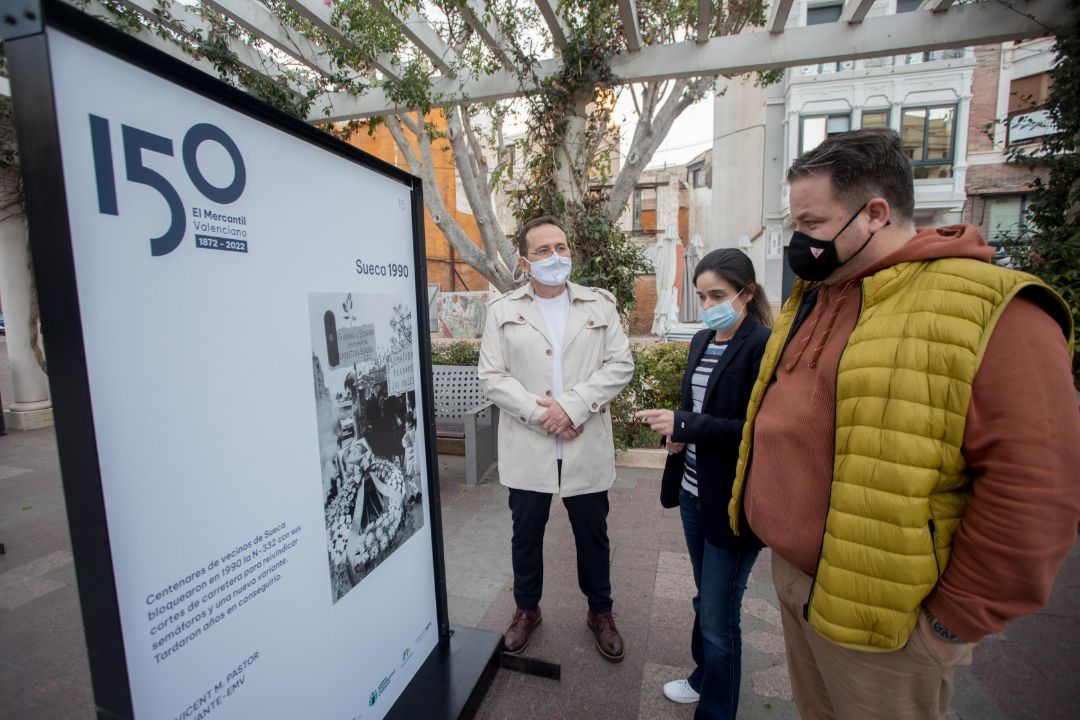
911,445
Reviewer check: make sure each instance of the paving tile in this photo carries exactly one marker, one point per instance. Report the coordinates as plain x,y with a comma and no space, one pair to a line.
678,614
673,541
677,562
669,646
16,589
762,570
763,642
45,564
635,558
7,472
675,586
466,611
653,705
763,610
521,702
773,683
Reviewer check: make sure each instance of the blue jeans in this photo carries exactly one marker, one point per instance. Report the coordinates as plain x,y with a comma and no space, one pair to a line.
716,644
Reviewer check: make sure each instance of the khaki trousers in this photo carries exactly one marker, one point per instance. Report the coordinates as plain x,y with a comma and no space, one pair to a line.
833,682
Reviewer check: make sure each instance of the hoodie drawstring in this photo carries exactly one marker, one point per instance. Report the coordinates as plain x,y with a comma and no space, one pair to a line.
819,311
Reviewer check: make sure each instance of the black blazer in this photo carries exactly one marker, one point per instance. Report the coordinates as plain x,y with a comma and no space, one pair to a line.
717,430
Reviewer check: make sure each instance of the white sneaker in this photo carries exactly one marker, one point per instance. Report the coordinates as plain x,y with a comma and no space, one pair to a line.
680,691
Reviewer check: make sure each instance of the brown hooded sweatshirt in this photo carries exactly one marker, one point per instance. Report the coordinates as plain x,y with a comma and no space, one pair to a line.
1021,444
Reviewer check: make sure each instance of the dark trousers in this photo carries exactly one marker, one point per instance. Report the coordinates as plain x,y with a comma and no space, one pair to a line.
588,518
720,575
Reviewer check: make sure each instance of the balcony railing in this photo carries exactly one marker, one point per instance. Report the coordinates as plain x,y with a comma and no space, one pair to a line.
887,61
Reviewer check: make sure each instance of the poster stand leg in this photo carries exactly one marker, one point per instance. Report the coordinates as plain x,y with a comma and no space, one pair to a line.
531,666
453,680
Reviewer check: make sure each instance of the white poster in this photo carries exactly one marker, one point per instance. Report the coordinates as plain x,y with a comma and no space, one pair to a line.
262,480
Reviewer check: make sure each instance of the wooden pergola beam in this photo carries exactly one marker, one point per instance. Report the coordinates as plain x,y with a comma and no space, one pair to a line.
420,33
555,24
962,26
490,34
630,26
855,11
319,15
704,20
778,16
186,22
257,20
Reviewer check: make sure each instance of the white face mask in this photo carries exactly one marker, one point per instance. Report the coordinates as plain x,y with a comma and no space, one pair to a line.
552,271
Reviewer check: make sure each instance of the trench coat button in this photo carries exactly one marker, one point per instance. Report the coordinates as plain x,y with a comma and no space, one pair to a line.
548,393
590,323
520,317
548,351
522,418
595,406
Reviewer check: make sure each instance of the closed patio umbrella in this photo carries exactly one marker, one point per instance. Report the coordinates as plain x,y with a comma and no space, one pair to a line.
689,312
666,308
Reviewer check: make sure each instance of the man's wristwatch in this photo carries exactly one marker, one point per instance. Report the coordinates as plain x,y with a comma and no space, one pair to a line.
940,630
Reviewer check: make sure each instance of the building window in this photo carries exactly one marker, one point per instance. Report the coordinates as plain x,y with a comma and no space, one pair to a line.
1008,221
1028,93
905,6
875,119
949,54
1008,216
645,209
1028,119
696,175
815,128
824,13
927,137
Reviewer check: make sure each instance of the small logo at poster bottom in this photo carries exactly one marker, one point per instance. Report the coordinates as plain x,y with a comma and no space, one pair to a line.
374,697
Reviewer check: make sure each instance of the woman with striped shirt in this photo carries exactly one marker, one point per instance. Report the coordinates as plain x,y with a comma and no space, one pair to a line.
703,447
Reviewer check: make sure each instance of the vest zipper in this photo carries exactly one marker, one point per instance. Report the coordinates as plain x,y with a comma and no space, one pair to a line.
933,548
796,322
836,400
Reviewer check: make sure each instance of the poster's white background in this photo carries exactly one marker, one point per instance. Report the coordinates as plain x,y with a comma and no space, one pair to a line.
200,375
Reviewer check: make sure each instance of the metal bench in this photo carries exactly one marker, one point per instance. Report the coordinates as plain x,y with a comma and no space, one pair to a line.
463,412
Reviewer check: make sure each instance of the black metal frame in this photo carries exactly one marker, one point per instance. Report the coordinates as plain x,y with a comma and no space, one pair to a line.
22,27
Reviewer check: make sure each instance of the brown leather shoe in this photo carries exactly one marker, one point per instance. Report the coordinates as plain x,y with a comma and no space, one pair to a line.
608,640
521,627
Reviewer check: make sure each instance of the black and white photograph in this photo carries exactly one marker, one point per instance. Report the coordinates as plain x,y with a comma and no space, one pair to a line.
365,404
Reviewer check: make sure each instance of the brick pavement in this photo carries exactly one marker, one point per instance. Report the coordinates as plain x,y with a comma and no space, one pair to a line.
1027,672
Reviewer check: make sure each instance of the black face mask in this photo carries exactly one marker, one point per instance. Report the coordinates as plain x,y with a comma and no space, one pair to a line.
815,260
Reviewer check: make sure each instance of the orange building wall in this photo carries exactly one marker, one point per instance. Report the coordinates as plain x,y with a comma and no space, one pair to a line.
641,316
648,220
443,265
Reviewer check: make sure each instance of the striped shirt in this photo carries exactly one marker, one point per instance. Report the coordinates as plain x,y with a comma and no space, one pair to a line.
700,380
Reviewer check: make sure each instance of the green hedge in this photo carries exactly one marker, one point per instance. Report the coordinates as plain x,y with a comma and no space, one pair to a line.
459,353
657,381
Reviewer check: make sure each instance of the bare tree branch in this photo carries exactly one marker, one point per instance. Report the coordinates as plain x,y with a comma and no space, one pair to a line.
425,168
491,233
648,136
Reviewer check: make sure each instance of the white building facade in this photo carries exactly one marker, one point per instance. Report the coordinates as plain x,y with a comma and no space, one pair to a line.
926,97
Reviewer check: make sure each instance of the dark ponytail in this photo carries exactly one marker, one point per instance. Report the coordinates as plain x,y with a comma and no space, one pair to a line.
736,268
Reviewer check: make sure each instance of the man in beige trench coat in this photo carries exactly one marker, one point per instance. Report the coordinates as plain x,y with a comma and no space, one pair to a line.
553,357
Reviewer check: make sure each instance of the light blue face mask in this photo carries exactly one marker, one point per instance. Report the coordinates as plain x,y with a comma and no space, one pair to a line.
722,316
